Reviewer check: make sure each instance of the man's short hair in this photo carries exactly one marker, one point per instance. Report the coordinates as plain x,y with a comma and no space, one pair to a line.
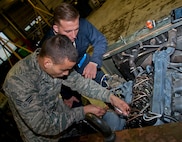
65,11
58,48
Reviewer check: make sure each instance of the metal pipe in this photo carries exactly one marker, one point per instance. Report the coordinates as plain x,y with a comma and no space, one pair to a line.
17,45
11,49
7,57
39,9
172,38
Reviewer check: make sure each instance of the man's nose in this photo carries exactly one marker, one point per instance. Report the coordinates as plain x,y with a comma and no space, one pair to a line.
73,34
65,73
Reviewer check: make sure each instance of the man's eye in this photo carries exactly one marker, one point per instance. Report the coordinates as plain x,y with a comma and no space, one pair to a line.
67,31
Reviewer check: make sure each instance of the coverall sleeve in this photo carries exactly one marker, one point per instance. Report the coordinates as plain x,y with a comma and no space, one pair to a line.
87,87
97,41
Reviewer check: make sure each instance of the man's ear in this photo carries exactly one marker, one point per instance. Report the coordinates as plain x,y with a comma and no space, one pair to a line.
47,63
55,28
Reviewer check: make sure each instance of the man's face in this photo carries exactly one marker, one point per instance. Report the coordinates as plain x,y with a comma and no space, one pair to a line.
59,70
68,28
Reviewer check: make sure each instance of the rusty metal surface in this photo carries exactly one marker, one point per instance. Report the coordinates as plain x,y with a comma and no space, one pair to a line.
163,133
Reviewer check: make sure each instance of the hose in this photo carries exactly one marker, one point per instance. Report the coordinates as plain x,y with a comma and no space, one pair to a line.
101,126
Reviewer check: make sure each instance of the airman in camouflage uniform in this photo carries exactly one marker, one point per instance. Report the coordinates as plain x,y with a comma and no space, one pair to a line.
33,88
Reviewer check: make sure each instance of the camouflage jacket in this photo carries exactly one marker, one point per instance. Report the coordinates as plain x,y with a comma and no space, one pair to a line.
36,104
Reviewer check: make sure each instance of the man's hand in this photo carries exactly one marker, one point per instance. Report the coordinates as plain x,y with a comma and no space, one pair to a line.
70,101
98,111
90,70
120,105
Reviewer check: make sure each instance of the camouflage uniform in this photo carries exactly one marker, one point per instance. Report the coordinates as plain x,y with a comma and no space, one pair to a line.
35,102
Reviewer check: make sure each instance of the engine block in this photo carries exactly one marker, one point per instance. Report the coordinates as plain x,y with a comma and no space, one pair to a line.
152,70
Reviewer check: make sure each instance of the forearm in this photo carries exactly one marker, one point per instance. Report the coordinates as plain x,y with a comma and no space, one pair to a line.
87,87
99,51
99,44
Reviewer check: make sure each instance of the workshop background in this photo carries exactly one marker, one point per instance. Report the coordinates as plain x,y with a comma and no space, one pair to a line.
24,22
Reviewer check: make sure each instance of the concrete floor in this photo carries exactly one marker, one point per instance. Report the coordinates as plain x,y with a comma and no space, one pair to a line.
117,18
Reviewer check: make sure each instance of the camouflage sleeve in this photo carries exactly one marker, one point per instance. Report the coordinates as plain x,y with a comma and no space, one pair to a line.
87,87
43,118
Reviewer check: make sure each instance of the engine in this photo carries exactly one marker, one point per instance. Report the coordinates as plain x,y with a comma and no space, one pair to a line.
152,84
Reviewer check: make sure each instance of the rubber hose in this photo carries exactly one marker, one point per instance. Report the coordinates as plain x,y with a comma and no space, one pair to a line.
101,126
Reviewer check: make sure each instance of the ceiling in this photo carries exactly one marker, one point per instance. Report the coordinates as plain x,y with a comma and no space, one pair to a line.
5,4
21,13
